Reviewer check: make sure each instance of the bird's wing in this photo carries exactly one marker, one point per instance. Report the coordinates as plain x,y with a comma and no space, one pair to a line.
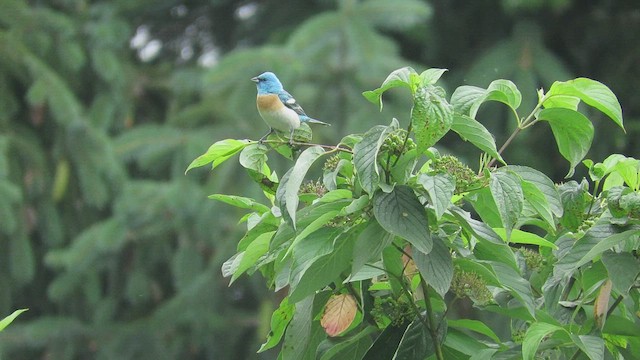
290,102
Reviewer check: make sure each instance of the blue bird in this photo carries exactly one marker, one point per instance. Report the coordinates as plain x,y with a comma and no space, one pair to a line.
278,108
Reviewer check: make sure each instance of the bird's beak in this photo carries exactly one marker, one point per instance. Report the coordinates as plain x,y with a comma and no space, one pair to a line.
255,79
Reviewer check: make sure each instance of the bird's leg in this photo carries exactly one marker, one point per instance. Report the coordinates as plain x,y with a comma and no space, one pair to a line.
265,136
291,136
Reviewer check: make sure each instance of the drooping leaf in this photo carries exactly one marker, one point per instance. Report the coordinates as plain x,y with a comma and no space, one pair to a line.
593,93
436,268
386,344
543,183
476,326
415,342
517,285
471,130
339,313
254,157
431,76
301,335
573,133
254,251
401,213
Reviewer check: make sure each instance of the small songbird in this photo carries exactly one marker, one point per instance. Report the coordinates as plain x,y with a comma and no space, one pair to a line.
277,107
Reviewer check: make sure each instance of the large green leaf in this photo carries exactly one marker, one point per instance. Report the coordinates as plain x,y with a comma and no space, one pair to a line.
303,333
534,335
254,157
593,93
573,133
471,130
296,177
436,267
476,326
401,213
352,347
464,97
591,345
523,237
431,116
369,245
623,269
320,271
440,188
386,344
467,99
507,193
279,321
240,202
253,252
416,342
517,285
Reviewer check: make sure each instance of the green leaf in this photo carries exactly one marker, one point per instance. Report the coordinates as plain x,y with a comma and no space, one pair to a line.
401,213
623,268
436,267
503,91
594,242
352,347
365,157
573,133
9,319
218,153
593,93
254,251
319,271
301,334
471,130
241,202
523,237
279,321
398,78
464,97
254,157
534,335
507,193
431,117
369,245
476,326
296,177
431,76
591,345
415,342
386,344
518,286
440,188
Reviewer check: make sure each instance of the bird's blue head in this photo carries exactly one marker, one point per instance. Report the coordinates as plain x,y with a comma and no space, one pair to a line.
268,83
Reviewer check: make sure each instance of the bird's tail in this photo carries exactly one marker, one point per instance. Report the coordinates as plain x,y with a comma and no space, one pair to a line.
314,121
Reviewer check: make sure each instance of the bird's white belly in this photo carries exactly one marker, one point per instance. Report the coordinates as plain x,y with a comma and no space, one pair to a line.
283,119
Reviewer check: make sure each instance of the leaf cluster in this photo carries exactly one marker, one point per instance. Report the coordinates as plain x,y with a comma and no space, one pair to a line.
373,255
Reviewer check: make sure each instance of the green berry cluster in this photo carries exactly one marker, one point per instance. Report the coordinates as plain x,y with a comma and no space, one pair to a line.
332,163
394,143
313,187
465,177
468,284
399,312
533,259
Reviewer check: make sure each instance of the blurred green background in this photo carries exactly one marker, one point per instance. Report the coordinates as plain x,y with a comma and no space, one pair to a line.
103,104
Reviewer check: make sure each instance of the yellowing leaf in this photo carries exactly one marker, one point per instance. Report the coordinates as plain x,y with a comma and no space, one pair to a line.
339,313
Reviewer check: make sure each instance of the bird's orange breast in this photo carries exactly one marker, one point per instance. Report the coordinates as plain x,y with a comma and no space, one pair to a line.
269,102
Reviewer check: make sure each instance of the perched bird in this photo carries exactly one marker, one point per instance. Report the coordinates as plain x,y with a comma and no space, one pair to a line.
277,107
